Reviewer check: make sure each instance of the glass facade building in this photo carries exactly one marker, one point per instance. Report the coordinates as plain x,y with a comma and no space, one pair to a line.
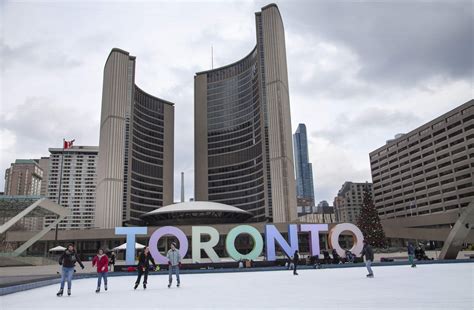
303,168
243,154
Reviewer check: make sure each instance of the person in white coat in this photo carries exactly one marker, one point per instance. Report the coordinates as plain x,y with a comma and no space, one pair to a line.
174,263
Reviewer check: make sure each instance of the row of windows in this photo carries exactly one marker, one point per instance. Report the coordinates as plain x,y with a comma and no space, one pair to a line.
232,70
235,112
420,164
239,194
415,138
414,151
144,100
147,169
235,178
146,180
256,166
427,178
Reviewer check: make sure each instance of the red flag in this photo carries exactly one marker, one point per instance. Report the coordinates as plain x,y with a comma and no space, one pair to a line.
68,144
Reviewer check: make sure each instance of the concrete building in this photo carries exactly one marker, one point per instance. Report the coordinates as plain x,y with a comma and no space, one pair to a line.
304,206
72,179
24,177
423,179
43,162
243,146
303,168
135,169
349,201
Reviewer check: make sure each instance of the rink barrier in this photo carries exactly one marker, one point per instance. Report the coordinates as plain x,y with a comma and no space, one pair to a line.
40,283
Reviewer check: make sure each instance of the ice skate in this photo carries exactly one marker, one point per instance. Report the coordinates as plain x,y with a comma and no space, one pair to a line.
60,293
144,286
69,292
97,290
135,287
105,287
169,285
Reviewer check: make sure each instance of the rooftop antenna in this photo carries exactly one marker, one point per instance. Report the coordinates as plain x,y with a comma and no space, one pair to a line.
212,57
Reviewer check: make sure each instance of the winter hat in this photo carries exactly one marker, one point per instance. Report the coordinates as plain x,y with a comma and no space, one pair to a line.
173,243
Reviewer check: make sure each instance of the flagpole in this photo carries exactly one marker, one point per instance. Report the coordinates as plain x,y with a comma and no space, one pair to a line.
59,193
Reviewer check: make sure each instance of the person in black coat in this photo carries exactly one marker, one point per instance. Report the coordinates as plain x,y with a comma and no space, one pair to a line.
112,262
368,252
68,260
296,259
144,261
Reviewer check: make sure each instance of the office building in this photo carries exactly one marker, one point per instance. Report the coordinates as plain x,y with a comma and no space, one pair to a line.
24,177
424,178
303,168
72,179
243,146
135,169
43,162
349,201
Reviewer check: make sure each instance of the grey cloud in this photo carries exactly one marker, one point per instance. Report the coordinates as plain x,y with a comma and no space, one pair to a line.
400,42
40,122
373,119
36,54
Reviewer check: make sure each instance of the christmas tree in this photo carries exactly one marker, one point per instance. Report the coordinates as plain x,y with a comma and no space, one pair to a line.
369,221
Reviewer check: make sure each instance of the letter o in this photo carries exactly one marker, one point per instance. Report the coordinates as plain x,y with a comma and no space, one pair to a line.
257,241
356,234
167,230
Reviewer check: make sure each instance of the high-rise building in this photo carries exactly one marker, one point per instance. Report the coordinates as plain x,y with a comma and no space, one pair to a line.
349,201
304,169
43,162
243,148
24,177
72,179
135,170
424,178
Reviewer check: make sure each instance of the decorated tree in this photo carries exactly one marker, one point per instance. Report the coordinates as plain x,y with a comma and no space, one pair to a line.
369,221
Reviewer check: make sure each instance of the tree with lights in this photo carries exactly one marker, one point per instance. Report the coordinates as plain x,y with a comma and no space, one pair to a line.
369,221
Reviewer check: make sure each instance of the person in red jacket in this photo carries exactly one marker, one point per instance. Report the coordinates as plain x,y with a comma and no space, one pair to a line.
102,262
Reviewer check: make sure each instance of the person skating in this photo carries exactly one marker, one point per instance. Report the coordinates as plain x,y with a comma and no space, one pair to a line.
411,254
296,259
144,260
68,260
112,262
174,262
102,262
369,258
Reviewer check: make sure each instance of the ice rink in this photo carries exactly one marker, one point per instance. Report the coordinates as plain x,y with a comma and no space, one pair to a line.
437,286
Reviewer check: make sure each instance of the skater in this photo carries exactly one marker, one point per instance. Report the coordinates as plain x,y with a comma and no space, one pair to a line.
411,255
68,260
336,257
296,258
174,263
144,260
369,258
102,262
112,262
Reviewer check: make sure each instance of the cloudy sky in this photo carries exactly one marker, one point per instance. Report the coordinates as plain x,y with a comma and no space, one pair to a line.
359,71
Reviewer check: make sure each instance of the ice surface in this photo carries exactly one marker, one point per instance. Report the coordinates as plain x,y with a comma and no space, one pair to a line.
439,286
